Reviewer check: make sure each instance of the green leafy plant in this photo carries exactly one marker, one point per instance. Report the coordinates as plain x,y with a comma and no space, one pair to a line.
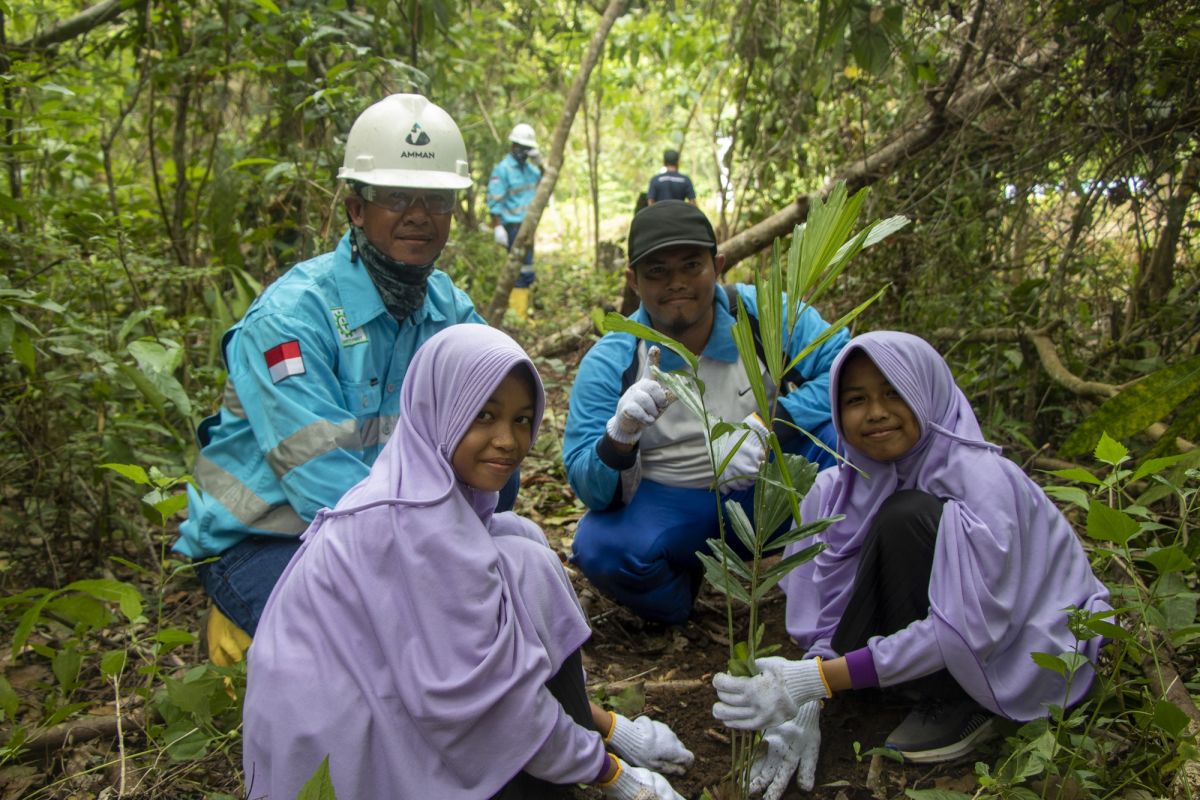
820,251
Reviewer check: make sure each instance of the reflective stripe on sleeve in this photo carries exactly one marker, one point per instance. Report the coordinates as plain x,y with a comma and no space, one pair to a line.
313,440
231,401
249,509
376,431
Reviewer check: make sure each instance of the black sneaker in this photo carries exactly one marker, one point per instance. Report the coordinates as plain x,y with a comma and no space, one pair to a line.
938,731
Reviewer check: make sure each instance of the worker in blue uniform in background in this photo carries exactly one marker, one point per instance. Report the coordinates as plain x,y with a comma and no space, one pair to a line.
510,191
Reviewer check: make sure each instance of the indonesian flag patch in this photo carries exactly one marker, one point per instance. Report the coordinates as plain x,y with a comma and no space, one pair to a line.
284,360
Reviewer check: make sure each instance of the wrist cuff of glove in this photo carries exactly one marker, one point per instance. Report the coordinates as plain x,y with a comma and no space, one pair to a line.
616,775
805,683
612,726
613,429
622,737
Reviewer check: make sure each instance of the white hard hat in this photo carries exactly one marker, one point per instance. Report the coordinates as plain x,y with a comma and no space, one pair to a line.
405,140
523,135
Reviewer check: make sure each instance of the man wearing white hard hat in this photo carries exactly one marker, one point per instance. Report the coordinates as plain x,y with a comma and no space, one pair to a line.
316,364
510,191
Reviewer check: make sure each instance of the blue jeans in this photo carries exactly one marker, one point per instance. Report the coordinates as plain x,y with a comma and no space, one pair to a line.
526,276
241,579
643,555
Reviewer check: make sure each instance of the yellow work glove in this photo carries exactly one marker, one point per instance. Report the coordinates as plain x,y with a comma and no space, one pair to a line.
227,643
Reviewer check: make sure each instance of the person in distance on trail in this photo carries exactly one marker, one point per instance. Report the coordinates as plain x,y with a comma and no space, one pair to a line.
671,184
510,191
427,645
642,465
316,365
950,567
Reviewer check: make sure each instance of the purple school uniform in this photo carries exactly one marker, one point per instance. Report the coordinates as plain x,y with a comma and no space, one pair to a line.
1006,563
411,636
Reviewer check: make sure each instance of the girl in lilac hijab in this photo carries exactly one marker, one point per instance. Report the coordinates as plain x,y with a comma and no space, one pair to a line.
428,647
949,568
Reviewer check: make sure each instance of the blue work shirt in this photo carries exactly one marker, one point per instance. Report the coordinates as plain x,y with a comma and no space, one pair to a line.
594,468
511,189
287,443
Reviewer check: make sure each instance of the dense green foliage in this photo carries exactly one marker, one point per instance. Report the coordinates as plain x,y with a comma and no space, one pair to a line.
160,163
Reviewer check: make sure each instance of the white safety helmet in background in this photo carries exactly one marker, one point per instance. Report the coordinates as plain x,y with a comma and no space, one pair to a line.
523,135
405,140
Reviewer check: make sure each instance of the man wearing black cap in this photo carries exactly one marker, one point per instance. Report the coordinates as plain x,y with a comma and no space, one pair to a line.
642,465
670,184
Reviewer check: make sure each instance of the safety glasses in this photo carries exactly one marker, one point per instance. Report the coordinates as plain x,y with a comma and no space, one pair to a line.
436,201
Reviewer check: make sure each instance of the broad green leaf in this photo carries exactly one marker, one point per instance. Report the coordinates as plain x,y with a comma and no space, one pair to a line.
65,665
125,595
112,663
1147,401
1077,474
1169,559
1106,524
1185,425
936,794
1110,451
80,609
131,471
1069,494
174,637
1170,718
1154,466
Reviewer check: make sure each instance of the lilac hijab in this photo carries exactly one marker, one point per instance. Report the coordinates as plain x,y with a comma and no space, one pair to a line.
411,636
1006,563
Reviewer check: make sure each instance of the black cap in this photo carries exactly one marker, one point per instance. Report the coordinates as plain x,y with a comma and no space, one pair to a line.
668,223
671,157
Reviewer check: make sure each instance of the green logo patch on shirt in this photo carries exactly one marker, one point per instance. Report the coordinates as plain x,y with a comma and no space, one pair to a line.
348,337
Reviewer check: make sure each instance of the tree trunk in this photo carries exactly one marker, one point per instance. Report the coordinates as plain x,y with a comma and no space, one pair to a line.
508,276
1156,282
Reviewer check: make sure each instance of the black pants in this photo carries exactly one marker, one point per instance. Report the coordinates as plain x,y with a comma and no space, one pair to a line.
567,686
891,587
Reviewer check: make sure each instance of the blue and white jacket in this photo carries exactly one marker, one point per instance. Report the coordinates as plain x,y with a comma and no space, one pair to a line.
673,451
315,368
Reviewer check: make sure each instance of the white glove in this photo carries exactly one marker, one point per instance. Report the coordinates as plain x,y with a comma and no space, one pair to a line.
743,468
771,697
636,783
500,234
795,742
641,405
648,743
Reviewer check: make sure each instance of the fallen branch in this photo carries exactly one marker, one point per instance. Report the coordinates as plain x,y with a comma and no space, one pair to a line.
77,731
1054,367
923,135
667,687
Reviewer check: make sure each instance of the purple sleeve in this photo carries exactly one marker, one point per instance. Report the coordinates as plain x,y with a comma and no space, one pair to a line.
907,654
570,754
862,668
